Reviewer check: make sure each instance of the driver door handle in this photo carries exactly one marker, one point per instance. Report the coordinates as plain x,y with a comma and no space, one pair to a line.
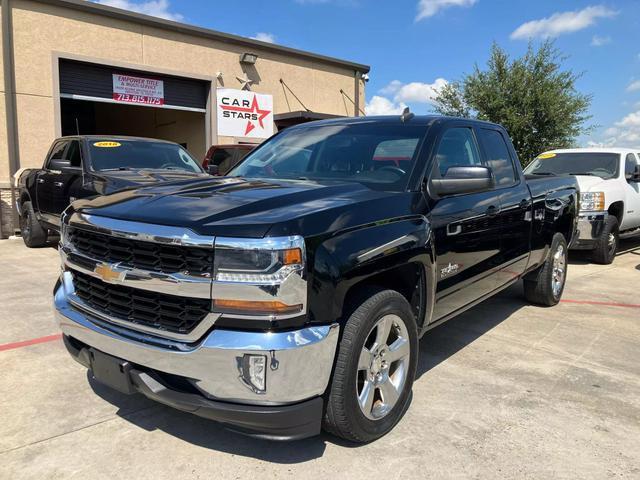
58,184
41,180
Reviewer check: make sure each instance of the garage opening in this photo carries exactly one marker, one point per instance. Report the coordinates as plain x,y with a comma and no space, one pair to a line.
101,100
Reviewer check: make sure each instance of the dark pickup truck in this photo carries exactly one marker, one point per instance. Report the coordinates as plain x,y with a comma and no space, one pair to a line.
89,166
290,295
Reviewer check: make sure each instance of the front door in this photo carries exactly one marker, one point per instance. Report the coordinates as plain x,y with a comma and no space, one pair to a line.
68,183
515,204
46,182
466,230
631,217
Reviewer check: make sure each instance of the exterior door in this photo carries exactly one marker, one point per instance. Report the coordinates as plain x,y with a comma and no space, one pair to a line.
515,203
631,217
466,230
68,183
45,188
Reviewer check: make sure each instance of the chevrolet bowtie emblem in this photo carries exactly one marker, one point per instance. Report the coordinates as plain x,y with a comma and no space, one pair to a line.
107,273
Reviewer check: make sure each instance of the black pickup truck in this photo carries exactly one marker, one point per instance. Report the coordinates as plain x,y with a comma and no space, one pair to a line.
88,166
290,295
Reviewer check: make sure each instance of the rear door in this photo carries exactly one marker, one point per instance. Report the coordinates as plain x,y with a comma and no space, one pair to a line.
466,229
515,203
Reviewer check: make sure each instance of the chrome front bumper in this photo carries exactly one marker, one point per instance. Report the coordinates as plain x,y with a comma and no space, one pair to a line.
590,225
299,362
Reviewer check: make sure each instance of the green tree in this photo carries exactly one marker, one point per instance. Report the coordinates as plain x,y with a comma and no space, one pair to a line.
531,96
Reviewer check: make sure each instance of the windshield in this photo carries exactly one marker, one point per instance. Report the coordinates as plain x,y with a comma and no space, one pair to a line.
119,154
377,155
604,165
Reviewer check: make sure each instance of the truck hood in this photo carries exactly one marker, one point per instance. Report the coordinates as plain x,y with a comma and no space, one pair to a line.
250,207
588,183
116,180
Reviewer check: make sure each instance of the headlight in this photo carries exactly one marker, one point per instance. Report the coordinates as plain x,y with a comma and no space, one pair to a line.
592,201
258,277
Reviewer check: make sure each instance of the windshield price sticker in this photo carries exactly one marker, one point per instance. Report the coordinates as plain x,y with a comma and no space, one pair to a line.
107,144
546,155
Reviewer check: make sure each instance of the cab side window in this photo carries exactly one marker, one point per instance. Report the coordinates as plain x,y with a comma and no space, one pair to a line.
630,164
497,157
73,154
457,148
57,153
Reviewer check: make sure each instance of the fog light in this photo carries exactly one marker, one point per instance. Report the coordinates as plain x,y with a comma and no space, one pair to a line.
254,372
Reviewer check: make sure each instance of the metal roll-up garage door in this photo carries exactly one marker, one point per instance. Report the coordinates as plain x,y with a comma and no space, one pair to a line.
89,81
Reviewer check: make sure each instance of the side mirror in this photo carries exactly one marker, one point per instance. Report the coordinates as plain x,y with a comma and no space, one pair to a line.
59,164
213,169
633,176
460,180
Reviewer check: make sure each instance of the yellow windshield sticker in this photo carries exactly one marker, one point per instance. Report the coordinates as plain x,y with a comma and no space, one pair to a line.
107,144
546,155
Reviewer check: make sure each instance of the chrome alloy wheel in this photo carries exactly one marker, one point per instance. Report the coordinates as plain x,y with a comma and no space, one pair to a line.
382,367
612,243
559,270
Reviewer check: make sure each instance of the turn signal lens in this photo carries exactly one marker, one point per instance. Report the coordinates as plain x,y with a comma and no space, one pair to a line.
256,308
293,256
592,201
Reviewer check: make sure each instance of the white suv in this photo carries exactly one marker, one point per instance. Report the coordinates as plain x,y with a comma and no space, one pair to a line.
609,180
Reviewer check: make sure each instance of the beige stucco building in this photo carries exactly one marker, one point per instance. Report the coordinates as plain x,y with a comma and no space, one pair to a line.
59,57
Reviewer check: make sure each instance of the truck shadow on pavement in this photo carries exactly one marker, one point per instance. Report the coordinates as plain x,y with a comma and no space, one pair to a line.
436,346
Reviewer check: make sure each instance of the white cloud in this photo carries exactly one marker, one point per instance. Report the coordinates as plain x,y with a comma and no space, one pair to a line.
634,86
155,8
598,41
624,133
428,8
265,37
383,106
565,22
401,94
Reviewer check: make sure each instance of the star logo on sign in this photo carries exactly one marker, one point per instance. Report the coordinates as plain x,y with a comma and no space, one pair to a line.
254,108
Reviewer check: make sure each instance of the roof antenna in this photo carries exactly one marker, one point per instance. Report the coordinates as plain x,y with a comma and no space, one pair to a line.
406,115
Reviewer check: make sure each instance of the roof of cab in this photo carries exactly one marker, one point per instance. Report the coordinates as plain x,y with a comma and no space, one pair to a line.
113,137
423,120
594,150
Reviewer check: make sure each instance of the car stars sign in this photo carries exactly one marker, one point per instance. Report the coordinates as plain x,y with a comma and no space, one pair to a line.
243,113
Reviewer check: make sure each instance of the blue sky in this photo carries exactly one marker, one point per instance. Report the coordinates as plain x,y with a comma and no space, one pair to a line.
415,46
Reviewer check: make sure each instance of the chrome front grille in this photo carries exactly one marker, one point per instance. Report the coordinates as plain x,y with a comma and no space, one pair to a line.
143,255
141,307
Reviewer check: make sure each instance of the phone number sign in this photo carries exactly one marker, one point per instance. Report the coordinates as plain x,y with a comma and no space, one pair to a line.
130,89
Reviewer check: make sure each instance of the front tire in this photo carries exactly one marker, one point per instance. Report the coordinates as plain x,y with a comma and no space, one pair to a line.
607,244
545,286
32,232
376,365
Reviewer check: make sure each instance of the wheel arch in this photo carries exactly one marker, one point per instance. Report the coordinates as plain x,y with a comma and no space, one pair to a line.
617,210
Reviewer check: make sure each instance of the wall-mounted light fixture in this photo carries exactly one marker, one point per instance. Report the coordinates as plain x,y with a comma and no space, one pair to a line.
248,58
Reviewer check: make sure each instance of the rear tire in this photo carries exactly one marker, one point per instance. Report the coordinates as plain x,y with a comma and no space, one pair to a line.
371,386
607,244
545,286
32,232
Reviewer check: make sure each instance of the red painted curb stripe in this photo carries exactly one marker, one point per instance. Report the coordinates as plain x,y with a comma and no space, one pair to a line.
34,341
605,304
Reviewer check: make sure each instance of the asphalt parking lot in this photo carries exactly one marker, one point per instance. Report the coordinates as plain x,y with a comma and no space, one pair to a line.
505,390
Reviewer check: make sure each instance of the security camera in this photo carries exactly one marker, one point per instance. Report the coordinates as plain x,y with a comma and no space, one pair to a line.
365,77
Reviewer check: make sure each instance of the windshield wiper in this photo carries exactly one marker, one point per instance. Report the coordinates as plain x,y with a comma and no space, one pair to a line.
543,173
585,173
114,169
